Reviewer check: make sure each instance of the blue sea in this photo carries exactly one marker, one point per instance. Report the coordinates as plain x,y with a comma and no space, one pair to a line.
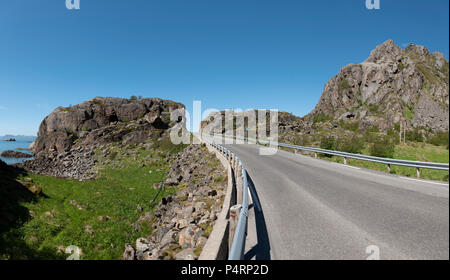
22,142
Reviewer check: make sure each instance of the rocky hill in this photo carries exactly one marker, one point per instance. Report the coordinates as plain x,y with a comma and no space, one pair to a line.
392,86
69,136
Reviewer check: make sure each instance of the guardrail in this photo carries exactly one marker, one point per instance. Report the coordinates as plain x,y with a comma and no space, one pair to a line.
238,232
388,161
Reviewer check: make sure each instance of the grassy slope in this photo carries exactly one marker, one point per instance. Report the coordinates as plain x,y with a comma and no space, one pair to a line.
116,193
425,152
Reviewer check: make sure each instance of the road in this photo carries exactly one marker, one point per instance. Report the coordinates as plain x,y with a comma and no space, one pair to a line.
316,209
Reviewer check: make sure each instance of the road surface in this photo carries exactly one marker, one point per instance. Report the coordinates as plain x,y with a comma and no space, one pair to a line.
316,209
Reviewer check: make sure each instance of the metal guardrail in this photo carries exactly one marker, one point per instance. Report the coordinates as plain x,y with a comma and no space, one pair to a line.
387,161
236,251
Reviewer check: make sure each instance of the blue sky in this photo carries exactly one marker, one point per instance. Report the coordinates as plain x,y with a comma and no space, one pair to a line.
275,54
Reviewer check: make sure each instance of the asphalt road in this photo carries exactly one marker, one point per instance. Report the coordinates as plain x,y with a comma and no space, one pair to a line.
315,209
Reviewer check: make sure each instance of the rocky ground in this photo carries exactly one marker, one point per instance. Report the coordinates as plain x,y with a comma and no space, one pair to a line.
182,222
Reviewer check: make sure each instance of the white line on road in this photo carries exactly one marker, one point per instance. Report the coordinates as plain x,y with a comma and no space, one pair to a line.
349,166
434,183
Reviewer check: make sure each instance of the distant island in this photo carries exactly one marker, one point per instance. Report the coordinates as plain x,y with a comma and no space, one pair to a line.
18,138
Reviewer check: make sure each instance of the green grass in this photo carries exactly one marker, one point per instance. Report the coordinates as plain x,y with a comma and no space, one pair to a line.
115,194
408,114
121,186
422,152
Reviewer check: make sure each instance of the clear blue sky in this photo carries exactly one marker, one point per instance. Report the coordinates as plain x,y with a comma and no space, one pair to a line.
274,54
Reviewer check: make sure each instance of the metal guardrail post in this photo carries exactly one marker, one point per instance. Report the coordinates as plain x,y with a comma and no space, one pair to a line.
418,172
235,210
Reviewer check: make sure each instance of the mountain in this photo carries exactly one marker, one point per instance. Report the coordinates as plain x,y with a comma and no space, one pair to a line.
391,86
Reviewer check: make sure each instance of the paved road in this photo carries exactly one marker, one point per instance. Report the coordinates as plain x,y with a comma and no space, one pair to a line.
315,209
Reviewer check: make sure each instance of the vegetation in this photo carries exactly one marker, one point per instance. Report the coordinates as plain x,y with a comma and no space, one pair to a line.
321,117
414,135
352,145
328,143
440,139
408,113
383,147
349,125
373,108
401,66
98,216
344,85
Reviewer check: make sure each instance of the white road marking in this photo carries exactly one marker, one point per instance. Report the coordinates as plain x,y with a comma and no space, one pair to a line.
434,183
349,166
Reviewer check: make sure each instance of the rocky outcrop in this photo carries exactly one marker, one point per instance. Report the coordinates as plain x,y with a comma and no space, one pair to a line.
15,154
391,86
183,221
10,140
103,120
69,136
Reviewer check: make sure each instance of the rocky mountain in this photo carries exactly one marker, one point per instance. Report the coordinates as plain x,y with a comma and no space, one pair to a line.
69,136
392,85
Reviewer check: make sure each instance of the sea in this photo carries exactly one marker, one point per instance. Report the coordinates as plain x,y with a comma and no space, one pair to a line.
22,142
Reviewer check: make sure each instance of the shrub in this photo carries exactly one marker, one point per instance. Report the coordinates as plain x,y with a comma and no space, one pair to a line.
328,143
369,137
440,139
352,145
414,135
133,97
382,147
344,85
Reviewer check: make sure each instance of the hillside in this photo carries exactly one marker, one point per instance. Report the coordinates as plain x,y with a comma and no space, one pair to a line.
391,86
108,180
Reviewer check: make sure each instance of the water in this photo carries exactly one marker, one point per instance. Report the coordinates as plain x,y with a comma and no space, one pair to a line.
22,142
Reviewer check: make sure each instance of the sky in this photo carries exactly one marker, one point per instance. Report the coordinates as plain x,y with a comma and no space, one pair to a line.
234,54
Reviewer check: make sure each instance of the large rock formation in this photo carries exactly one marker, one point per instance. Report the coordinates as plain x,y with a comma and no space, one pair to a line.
69,136
103,120
391,86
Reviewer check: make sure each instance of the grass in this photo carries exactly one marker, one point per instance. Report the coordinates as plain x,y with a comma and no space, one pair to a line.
70,209
419,152
408,114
